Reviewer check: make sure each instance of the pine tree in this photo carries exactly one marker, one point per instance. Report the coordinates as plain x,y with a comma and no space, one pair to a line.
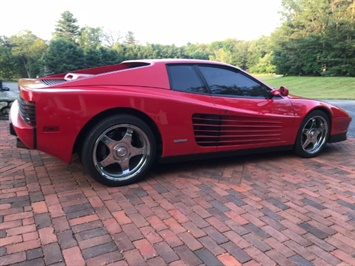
67,28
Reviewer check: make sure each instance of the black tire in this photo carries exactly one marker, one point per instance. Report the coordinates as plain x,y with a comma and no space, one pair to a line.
313,134
119,150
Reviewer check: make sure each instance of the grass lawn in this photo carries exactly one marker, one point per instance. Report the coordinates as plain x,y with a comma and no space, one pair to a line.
315,87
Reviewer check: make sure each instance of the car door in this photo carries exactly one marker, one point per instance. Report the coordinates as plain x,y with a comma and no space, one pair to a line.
191,112
249,116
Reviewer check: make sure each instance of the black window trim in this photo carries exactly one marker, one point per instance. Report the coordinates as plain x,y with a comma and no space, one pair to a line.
195,66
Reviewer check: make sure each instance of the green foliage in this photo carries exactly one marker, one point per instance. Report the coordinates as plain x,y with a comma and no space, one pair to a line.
90,38
222,56
109,56
263,65
230,51
130,39
101,56
198,51
7,69
27,50
62,56
316,38
67,27
148,51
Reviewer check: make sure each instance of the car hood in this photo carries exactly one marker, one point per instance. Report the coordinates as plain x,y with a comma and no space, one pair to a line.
291,96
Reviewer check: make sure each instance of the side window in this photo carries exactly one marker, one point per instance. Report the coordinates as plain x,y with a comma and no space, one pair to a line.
185,78
222,81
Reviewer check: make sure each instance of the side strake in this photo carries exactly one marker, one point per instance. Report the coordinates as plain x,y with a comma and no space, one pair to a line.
224,130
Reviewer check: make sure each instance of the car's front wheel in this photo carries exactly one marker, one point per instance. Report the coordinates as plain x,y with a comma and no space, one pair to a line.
312,135
119,150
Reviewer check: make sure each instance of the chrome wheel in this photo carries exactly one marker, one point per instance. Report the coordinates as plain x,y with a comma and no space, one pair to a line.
313,134
121,151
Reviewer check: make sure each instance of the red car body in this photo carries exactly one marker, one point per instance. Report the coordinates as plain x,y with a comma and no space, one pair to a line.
55,113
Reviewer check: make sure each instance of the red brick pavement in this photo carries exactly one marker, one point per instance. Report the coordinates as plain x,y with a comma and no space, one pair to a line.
271,209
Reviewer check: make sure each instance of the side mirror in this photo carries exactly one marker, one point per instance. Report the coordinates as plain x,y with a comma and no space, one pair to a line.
282,91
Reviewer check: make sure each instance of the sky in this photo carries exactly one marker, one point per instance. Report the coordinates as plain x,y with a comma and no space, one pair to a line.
152,21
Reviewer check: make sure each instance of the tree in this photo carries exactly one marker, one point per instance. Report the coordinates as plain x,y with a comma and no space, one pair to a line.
110,38
198,51
90,38
263,65
63,56
67,27
7,60
129,38
222,55
260,55
316,38
101,57
92,57
109,56
230,51
240,54
27,49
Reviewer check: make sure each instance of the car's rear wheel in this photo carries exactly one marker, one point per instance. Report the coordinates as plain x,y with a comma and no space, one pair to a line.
119,150
312,135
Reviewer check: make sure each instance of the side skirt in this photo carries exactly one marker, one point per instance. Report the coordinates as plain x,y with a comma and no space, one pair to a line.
202,156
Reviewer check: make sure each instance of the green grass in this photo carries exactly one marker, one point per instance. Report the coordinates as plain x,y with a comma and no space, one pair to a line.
315,87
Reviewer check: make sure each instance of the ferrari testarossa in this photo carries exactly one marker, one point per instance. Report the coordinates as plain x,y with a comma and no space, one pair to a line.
122,118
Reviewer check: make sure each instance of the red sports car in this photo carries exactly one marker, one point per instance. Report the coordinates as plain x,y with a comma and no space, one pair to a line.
121,118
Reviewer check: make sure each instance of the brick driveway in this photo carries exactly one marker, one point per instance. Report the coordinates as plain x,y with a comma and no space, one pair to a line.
274,209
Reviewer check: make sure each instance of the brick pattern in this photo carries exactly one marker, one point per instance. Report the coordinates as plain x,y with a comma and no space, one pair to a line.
271,209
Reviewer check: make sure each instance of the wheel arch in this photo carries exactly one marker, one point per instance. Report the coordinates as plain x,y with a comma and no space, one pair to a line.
115,111
318,108
315,140
327,112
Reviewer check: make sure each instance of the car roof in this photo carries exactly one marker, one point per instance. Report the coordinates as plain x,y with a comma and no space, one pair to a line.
144,72
175,61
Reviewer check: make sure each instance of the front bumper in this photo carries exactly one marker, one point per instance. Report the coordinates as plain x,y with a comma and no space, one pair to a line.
337,138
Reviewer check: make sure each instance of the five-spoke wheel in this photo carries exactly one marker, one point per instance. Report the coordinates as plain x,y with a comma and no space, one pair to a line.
313,134
119,150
